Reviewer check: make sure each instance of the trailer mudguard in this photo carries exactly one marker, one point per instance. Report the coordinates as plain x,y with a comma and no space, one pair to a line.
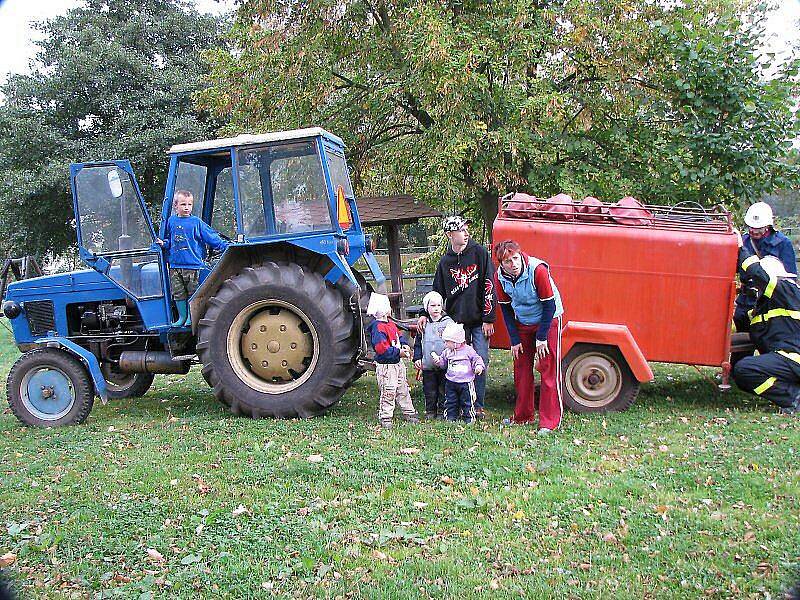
577,332
86,357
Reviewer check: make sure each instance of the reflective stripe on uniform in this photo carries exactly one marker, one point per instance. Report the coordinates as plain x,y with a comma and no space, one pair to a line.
790,355
765,386
775,312
748,262
773,282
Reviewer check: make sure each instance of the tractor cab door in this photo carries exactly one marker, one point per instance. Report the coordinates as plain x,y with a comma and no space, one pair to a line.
116,237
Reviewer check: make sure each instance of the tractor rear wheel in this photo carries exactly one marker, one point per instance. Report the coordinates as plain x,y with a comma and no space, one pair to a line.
276,341
597,378
49,387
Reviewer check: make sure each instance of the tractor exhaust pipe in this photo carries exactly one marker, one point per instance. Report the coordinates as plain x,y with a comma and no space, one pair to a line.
146,361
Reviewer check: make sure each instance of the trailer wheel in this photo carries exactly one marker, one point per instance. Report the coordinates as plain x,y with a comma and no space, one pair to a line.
126,385
49,387
597,378
276,341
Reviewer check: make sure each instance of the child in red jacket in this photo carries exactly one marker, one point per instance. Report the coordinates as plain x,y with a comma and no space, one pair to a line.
390,368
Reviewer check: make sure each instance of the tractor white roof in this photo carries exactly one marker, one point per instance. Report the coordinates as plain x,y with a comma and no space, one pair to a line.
247,139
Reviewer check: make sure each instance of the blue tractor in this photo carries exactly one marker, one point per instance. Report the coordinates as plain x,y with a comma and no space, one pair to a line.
276,321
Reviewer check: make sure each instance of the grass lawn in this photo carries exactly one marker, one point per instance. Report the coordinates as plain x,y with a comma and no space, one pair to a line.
688,494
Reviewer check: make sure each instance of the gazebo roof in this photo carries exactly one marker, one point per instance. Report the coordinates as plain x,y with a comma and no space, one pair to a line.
400,209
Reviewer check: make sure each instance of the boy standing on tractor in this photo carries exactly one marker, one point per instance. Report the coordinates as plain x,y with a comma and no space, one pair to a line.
390,368
187,238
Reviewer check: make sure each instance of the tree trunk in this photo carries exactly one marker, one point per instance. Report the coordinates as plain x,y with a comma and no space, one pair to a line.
488,202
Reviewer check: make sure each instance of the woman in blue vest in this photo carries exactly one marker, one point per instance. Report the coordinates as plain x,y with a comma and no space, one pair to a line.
532,310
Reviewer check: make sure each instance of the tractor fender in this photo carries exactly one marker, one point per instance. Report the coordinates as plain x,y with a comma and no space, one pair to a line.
86,357
576,332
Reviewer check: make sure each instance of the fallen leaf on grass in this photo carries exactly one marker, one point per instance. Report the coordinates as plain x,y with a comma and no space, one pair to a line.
202,487
154,555
122,578
610,538
190,559
8,559
447,480
409,451
239,510
663,448
494,584
420,504
379,555
315,458
749,536
662,509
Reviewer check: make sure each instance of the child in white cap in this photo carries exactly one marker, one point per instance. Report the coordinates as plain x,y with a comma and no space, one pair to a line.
390,368
429,340
463,364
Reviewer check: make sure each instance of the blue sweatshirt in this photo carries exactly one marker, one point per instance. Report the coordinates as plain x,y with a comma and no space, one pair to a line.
186,241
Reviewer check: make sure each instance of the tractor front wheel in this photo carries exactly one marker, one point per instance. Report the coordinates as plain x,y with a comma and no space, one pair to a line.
276,341
49,387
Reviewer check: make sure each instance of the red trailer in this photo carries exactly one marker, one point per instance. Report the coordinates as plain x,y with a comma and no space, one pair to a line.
656,285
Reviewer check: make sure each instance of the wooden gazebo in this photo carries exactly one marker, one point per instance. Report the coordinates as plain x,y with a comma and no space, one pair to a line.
391,212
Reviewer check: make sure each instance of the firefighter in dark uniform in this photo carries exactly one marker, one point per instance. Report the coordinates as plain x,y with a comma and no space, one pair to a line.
774,330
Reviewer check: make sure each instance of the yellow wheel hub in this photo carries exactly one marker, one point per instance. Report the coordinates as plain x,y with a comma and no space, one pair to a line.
278,344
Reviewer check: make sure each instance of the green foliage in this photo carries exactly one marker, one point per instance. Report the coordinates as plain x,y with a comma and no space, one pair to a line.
113,79
459,102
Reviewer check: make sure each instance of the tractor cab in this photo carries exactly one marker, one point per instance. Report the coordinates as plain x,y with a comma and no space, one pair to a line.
252,189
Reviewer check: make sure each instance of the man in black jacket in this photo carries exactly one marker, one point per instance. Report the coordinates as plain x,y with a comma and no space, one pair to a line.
775,330
465,279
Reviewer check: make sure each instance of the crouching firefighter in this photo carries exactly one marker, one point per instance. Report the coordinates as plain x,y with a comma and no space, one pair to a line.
774,325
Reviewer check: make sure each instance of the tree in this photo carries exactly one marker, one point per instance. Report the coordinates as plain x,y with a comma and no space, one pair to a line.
460,101
113,79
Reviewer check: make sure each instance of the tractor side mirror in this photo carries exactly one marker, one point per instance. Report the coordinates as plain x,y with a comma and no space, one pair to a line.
115,183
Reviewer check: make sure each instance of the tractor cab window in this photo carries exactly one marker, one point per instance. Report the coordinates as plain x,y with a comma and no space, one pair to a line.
223,219
282,190
110,215
338,170
192,178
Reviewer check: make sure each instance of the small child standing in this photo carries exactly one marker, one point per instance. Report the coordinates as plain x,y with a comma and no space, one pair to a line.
187,238
427,342
390,368
463,364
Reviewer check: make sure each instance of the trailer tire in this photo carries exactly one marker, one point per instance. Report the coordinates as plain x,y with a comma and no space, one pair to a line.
597,378
300,371
48,387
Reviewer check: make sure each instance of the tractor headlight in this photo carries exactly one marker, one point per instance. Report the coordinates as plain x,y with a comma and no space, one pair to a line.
11,309
343,246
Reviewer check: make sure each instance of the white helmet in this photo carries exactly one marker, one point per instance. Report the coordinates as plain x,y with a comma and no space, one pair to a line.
774,267
759,215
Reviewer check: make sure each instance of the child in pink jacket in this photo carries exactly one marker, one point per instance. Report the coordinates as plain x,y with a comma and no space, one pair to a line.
462,364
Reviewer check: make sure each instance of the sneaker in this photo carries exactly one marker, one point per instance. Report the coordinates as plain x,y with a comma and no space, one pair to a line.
480,414
469,421
790,410
429,416
544,431
385,423
413,419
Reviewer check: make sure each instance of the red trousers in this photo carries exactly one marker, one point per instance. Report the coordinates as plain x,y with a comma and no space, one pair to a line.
550,407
